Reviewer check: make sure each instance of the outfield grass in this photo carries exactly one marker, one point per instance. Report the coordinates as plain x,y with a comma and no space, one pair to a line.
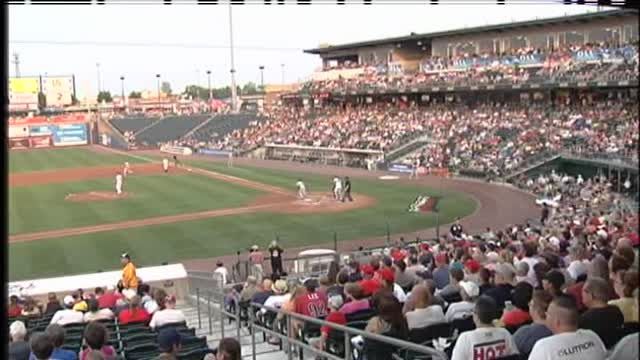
62,158
226,235
42,207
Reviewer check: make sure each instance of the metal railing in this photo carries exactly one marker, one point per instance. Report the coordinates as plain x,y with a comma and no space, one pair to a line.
250,325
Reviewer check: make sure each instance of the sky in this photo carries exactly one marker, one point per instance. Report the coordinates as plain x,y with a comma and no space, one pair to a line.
199,38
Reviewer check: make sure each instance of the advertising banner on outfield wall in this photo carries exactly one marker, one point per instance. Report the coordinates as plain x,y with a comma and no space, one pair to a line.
402,168
70,134
213,152
18,131
41,130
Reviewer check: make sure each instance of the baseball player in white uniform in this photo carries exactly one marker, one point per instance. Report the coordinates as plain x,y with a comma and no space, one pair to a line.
118,183
337,188
165,165
230,159
302,190
126,170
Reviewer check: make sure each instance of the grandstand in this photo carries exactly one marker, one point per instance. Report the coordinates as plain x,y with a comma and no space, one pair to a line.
221,125
133,125
169,128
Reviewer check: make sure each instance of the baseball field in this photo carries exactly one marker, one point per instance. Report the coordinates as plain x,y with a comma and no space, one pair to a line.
64,216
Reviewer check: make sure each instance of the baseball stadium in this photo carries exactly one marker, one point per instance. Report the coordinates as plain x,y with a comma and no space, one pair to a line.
459,194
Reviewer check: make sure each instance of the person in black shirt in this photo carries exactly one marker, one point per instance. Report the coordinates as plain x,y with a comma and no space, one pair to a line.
501,293
346,193
545,213
261,296
456,229
275,254
602,318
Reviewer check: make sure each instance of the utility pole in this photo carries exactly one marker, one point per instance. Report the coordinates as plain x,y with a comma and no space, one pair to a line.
209,83
282,68
16,61
262,77
234,100
99,77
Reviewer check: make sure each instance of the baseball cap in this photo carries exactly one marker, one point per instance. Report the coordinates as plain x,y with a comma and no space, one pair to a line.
472,265
279,286
167,338
470,288
68,300
441,257
125,256
388,275
424,247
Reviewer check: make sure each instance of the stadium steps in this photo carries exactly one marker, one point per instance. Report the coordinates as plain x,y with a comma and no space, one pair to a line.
148,126
264,351
407,148
118,140
203,124
532,166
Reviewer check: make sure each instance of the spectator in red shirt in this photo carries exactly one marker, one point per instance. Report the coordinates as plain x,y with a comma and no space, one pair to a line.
311,303
134,313
335,316
520,297
368,284
14,309
108,299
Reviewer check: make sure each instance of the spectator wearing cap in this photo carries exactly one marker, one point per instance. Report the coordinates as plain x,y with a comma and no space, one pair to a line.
95,313
53,304
369,284
425,313
129,276
41,346
527,336
67,315
166,313
387,276
501,293
15,309
441,273
311,303
228,349
57,334
134,313
553,281
279,296
601,318
469,291
520,298
486,341
221,274
356,301
18,347
625,285
335,316
169,344
471,270
96,337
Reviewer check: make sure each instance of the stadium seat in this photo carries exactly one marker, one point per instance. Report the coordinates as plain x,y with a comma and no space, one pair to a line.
428,333
362,315
181,324
462,325
195,354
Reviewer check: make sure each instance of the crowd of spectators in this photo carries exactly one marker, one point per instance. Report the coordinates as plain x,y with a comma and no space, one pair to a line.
537,289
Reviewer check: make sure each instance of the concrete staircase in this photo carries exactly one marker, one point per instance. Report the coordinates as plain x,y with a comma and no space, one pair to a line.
203,124
148,127
264,350
407,148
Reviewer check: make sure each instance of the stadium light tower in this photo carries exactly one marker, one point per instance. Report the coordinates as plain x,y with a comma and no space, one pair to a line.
282,69
122,86
158,84
262,77
233,70
99,77
209,82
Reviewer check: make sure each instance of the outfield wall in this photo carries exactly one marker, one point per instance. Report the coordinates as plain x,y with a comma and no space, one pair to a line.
42,131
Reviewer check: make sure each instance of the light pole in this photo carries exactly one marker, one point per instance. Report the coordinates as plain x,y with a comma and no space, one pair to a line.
209,82
282,68
262,77
122,88
158,84
98,72
233,70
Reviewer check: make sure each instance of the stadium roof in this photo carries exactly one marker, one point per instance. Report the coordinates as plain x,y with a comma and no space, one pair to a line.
479,29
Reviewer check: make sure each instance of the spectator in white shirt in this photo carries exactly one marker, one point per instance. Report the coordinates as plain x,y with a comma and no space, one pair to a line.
568,342
279,297
221,273
148,303
67,315
469,291
530,251
486,341
166,313
578,266
95,313
425,313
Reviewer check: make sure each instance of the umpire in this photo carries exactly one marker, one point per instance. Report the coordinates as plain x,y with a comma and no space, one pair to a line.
346,193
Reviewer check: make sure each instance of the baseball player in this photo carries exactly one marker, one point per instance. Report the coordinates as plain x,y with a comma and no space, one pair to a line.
118,183
165,165
176,162
346,193
230,159
127,169
302,190
337,188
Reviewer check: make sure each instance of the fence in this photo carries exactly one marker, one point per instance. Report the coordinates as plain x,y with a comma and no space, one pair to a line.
232,321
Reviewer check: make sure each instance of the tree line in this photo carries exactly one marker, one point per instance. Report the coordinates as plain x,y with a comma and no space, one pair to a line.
192,91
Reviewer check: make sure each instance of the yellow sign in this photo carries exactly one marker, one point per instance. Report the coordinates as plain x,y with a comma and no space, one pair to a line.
24,85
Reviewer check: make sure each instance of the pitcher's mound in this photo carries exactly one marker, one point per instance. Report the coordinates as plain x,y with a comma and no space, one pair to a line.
96,196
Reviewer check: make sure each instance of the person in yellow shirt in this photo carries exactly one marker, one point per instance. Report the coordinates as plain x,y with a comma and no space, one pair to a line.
626,287
129,277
